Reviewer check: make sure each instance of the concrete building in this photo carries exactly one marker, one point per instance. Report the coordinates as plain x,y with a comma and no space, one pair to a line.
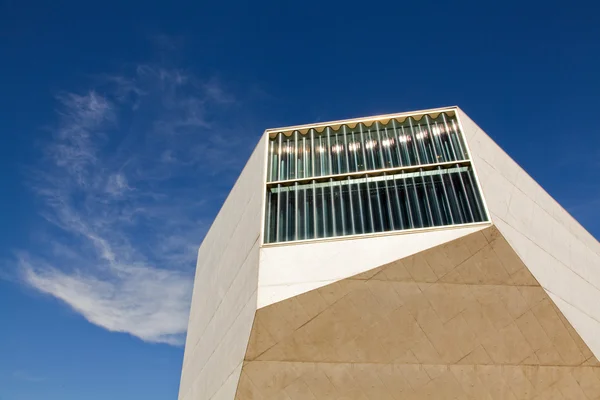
402,256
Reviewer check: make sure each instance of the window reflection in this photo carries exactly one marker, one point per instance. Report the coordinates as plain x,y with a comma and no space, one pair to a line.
365,148
368,204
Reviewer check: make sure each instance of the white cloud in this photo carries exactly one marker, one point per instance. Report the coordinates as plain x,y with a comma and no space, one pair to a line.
124,183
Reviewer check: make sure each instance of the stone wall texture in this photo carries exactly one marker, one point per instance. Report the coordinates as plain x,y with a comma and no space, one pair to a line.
463,320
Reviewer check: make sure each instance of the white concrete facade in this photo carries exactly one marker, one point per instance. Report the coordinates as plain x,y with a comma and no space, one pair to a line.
225,290
559,252
236,274
289,270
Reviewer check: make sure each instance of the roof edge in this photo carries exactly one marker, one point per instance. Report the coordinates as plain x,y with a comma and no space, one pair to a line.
361,119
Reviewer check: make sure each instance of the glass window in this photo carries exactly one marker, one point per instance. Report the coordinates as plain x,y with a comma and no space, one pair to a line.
354,179
368,204
394,144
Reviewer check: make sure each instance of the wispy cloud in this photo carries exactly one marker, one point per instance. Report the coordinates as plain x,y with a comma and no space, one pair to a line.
124,184
22,375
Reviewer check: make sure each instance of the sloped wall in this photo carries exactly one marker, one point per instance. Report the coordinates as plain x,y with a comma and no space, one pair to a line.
225,289
560,253
287,271
463,320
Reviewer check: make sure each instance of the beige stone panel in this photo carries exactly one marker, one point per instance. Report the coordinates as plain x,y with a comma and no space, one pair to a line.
470,272
511,297
506,255
592,362
532,294
548,355
392,378
492,306
271,377
464,337
533,331
515,378
523,278
467,377
419,269
491,233
319,384
532,359
246,389
415,375
402,333
312,303
438,260
475,241
385,294
367,378
491,376
476,357
457,251
395,271
490,265
588,381
570,389
298,390
260,340
445,386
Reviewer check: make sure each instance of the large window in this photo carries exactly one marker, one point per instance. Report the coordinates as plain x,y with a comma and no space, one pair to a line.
326,151
363,179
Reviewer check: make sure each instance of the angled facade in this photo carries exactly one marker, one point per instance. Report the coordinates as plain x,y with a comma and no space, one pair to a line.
402,256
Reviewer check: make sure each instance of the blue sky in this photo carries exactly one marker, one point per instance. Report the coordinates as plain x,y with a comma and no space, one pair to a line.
123,127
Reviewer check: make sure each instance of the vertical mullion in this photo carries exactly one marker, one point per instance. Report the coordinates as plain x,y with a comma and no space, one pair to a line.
280,158
462,183
448,132
314,213
398,206
380,144
370,205
346,149
329,150
296,210
435,200
296,155
445,192
352,215
428,211
305,190
417,205
271,155
436,142
312,153
407,201
454,194
278,218
360,209
414,141
324,211
379,208
332,202
287,214
389,203
339,152
390,143
305,156
475,192
459,140
342,209
398,143
269,216
363,147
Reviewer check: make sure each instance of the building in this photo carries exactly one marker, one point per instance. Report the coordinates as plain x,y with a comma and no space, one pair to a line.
402,256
